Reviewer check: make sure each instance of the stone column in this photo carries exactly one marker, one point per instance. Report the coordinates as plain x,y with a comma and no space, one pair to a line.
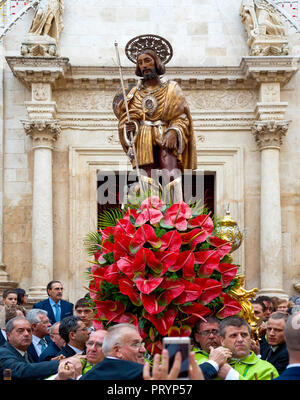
44,133
268,135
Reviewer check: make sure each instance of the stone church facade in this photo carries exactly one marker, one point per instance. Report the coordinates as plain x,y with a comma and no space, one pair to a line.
58,130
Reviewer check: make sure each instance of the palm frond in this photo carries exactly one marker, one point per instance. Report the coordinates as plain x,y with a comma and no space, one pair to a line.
109,217
90,242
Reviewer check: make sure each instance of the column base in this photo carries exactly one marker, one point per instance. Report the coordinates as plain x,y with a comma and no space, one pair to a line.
273,292
36,293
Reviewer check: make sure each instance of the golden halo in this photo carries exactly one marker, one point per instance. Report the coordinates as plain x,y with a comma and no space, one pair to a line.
161,46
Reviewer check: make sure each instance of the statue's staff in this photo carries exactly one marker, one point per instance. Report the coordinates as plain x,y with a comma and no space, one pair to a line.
128,118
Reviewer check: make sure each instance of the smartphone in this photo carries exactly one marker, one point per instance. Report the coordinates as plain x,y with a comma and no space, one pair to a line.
182,345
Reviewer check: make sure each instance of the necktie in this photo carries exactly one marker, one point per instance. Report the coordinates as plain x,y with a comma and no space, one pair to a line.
26,358
57,312
269,354
43,344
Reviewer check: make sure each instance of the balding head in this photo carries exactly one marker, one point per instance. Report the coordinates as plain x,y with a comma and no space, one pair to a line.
292,334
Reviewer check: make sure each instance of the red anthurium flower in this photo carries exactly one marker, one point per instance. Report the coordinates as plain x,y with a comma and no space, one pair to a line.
147,257
107,232
191,292
127,318
126,287
112,274
209,260
228,272
222,246
171,240
194,237
173,290
151,304
144,234
131,212
98,275
211,289
123,227
153,202
129,266
204,221
155,347
98,325
196,309
182,331
166,259
121,248
231,306
149,214
176,216
185,260
164,322
109,309
107,247
93,290
147,285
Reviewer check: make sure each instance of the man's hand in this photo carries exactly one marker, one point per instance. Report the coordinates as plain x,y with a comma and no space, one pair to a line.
220,355
195,372
223,371
69,368
60,357
170,140
130,127
160,370
255,346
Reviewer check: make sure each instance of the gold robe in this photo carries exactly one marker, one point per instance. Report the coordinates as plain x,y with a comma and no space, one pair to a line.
172,109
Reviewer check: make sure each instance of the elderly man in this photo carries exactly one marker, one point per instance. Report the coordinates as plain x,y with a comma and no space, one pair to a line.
244,364
55,346
292,338
13,354
274,348
124,355
40,325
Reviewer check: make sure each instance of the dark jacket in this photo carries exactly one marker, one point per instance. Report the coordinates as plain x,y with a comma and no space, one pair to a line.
2,339
51,351
290,374
66,351
115,369
32,352
279,358
22,369
66,309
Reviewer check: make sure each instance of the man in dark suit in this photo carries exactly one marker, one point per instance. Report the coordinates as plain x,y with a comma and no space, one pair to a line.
55,346
75,333
292,337
56,307
40,325
273,349
13,354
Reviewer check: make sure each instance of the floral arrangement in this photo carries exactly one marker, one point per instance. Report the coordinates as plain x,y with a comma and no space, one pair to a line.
161,268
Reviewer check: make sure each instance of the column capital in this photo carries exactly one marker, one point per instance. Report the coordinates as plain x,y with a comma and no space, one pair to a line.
268,134
44,133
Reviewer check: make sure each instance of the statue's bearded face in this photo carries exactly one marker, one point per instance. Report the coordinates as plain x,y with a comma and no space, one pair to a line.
147,67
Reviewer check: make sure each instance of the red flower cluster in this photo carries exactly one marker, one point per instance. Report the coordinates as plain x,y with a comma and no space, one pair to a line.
154,269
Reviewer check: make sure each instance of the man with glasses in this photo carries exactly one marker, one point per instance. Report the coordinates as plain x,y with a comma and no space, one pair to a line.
56,308
74,332
124,355
207,337
55,346
40,325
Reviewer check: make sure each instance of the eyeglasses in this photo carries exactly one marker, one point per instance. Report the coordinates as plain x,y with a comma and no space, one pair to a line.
137,346
82,329
96,344
214,332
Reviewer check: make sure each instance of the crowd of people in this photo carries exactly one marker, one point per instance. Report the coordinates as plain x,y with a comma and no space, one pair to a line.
56,340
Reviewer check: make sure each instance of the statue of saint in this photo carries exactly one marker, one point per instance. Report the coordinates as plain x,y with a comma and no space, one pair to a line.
47,20
160,119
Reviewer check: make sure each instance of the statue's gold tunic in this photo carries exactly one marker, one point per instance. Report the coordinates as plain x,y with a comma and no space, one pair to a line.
173,110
